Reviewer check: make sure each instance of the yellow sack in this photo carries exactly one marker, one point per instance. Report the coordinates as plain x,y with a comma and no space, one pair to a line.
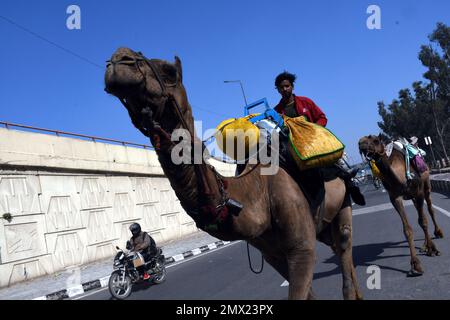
237,137
311,145
375,171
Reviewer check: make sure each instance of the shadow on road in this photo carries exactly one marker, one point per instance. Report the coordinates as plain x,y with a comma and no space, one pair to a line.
367,255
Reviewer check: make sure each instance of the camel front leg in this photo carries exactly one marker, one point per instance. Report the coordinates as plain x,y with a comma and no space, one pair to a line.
342,234
301,262
416,268
429,247
280,264
437,230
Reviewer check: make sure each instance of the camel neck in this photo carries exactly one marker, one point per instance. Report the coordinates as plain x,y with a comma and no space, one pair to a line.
190,181
390,178
182,178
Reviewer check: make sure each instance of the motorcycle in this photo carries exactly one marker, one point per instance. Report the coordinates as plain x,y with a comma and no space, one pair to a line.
376,183
129,268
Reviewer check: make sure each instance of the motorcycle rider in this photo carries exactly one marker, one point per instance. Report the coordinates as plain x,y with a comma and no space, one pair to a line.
143,243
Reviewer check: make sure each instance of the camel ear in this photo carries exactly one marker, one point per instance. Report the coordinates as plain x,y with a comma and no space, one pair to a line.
179,69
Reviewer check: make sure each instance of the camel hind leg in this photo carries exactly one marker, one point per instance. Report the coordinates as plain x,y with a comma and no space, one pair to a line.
342,234
416,268
427,193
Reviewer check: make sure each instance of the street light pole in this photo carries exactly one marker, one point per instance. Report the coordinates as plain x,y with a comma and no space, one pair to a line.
242,88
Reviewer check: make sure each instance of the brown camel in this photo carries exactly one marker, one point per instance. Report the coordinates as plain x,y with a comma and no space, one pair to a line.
275,217
393,171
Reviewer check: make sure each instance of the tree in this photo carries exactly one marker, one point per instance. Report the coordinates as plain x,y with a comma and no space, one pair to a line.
426,111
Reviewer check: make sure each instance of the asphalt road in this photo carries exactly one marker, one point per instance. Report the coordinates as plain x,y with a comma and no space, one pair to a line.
378,240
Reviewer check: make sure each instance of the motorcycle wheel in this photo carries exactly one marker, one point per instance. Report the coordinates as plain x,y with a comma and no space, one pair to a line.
117,289
161,276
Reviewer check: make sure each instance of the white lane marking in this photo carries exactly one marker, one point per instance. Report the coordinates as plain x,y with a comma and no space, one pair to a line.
212,246
380,207
442,210
196,251
169,266
386,206
90,293
285,283
41,298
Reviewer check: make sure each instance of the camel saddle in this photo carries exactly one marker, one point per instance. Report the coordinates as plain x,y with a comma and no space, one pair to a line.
312,184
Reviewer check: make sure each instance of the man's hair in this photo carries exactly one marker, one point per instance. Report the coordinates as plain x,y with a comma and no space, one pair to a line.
285,76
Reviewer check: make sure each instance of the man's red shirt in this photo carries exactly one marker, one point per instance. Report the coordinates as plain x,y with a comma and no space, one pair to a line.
306,107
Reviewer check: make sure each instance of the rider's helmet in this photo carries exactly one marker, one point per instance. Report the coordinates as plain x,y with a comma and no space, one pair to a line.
135,229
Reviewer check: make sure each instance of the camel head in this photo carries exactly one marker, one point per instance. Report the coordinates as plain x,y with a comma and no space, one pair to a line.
371,146
147,88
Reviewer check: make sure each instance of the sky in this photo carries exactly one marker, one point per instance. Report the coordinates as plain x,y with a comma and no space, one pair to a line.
52,77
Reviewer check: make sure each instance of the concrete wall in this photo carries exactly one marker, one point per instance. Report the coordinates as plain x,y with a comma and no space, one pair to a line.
73,201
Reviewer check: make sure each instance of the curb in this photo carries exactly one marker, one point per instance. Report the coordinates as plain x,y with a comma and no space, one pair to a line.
440,186
442,170
103,282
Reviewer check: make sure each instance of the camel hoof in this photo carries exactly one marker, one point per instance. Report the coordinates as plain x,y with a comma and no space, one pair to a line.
432,250
416,268
433,253
414,273
439,234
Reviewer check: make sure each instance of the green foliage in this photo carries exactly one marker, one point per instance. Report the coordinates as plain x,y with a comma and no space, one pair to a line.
426,110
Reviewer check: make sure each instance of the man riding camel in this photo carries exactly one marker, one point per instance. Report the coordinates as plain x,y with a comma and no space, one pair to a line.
296,106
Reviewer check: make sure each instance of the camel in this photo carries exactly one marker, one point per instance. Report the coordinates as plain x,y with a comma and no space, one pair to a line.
393,171
275,216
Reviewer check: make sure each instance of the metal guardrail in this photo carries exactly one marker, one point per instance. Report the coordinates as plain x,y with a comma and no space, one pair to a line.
71,134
